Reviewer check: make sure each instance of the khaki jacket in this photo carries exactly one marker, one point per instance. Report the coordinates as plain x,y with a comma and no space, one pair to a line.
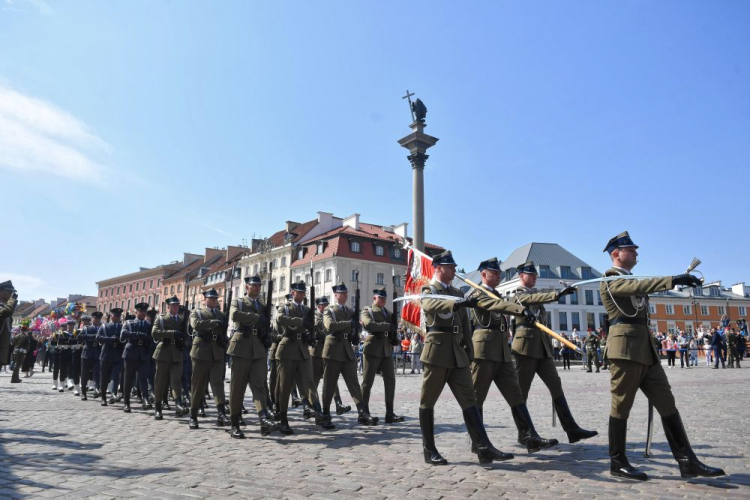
448,342
530,341
204,321
490,337
377,322
628,299
289,319
245,341
165,329
320,336
337,321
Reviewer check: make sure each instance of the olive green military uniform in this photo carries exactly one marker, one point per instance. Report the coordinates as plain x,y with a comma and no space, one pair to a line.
448,349
378,353
633,358
20,344
293,355
492,357
316,352
168,355
248,355
338,356
592,353
6,313
208,355
533,348
732,352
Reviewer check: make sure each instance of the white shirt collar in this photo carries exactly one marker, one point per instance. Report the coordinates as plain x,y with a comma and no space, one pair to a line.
623,271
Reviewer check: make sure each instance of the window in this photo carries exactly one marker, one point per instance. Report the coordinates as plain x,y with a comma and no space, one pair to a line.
380,279
686,310
602,319
137,286
397,253
300,253
721,310
576,320
171,289
563,316
151,284
704,310
671,328
743,311
297,279
698,291
598,297
561,300
131,288
283,261
101,294
307,280
317,277
589,297
143,285
565,273
714,291
166,290
320,248
328,275
544,272
574,298
282,283
670,309
275,263
255,269
273,285
379,250
354,246
354,275
149,299
129,303
591,321
651,309
586,273
397,280
689,328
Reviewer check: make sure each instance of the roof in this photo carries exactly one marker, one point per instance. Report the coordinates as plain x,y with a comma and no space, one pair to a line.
686,293
42,309
547,254
278,238
186,270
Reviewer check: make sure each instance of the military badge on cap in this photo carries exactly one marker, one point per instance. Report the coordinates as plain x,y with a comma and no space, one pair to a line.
380,292
252,280
622,240
322,300
527,267
85,317
490,265
173,300
97,314
141,306
116,310
444,259
340,288
299,286
211,294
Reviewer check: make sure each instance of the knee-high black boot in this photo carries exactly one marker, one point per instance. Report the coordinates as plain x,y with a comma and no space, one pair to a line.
484,449
569,425
678,441
427,425
527,435
619,465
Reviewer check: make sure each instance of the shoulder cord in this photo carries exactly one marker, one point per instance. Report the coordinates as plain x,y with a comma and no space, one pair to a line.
636,306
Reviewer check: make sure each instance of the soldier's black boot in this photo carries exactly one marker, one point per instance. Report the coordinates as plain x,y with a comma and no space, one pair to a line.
157,412
271,414
193,419
340,408
236,432
390,417
244,410
364,415
84,397
307,411
323,418
619,465
427,425
284,425
179,409
569,424
527,435
678,441
202,409
223,419
485,451
267,425
104,399
296,401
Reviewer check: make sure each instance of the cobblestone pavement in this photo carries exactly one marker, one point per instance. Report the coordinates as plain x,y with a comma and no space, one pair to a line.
54,445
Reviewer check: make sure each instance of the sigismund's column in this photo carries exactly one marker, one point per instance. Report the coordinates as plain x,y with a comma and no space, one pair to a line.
418,143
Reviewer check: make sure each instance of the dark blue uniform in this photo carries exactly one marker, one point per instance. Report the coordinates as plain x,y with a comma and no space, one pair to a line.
65,342
110,357
716,345
136,334
89,358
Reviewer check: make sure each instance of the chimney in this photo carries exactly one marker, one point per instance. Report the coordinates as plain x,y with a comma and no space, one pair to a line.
388,229
325,221
352,221
739,289
211,253
290,225
233,252
401,229
189,258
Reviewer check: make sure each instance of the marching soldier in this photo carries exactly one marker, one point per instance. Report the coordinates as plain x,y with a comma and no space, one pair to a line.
316,352
90,355
339,358
65,343
20,343
635,364
76,352
8,302
533,350
446,355
168,332
53,351
592,350
138,340
209,344
248,350
110,359
273,375
378,352
296,324
732,352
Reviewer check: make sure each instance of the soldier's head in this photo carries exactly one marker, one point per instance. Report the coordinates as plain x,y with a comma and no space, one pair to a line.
212,298
6,291
341,293
116,315
321,303
378,296
173,305
445,267
141,308
490,270
252,286
299,292
70,325
97,317
527,274
622,251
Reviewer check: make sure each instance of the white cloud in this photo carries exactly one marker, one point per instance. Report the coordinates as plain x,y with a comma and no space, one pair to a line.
38,137
20,5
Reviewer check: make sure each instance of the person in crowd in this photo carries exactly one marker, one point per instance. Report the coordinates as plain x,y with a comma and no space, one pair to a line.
416,350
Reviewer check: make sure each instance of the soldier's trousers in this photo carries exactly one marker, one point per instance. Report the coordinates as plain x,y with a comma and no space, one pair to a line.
458,379
318,366
167,371
89,371
187,371
66,358
54,365
247,372
626,377
273,378
527,367
109,374
133,368
295,372
370,368
203,373
348,370
484,372
18,359
75,368
591,357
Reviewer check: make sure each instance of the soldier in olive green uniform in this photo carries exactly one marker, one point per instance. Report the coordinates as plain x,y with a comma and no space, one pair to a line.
635,364
8,302
316,352
169,332
339,358
20,343
378,352
732,352
209,344
296,323
446,355
532,349
247,347
592,350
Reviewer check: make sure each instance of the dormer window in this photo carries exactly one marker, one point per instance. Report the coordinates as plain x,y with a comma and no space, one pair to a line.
354,246
321,247
379,250
397,253
300,253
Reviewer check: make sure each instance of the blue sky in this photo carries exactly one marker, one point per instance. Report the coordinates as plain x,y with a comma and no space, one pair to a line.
133,131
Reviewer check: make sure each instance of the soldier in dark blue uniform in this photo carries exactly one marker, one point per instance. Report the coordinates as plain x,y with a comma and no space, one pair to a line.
110,359
65,343
53,354
136,334
75,356
90,355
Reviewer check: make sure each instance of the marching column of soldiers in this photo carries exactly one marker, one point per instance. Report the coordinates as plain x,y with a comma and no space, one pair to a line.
466,347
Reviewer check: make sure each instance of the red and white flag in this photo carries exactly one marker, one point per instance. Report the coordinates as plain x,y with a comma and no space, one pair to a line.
419,272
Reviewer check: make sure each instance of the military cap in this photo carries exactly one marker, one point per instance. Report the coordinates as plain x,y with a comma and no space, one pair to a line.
380,292
288,297
340,288
173,300
115,310
129,316
490,265
141,306
97,314
86,317
444,259
252,280
211,294
527,267
299,286
322,300
622,240
7,286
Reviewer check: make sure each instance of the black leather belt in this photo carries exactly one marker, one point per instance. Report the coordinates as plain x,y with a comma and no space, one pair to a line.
345,336
628,321
440,329
167,341
293,336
